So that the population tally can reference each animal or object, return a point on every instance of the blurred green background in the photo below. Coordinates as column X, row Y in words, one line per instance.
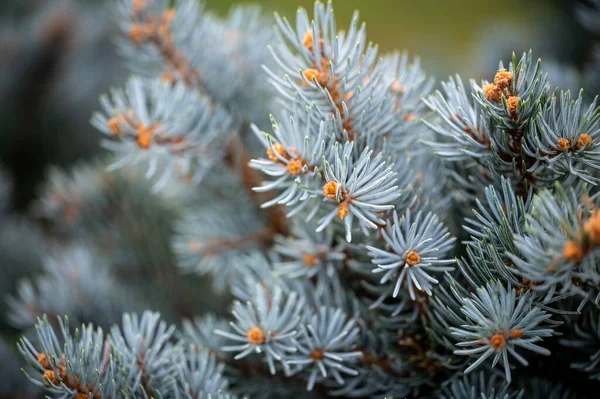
column 452, row 36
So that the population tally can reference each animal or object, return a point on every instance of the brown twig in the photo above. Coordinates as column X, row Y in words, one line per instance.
column 155, row 30
column 238, row 158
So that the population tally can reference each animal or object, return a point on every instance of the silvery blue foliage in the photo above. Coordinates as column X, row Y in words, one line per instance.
column 115, row 211
column 199, row 375
column 76, row 282
column 497, row 220
column 266, row 326
column 172, row 129
column 480, row 385
column 294, row 152
column 414, row 248
column 539, row 388
column 134, row 360
column 199, row 332
column 499, row 323
column 364, row 188
column 555, row 222
column 318, row 46
column 241, row 39
column 144, row 344
column 217, row 86
column 210, row 241
column 69, row 364
column 529, row 84
column 465, row 131
column 566, row 136
column 335, row 231
column 479, row 126
column 326, row 344
column 307, row 254
column 145, row 58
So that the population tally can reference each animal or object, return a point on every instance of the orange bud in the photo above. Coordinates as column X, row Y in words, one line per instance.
column 413, row 258
column 592, row 227
column 503, row 79
column 312, row 74
column 343, row 210
column 564, row 144
column 136, row 34
column 514, row 334
column 492, row 93
column 256, row 336
column 330, row 190
column 498, row 341
column 113, row 125
column 280, row 149
column 572, row 251
column 513, row 104
column 294, row 167
column 309, row 259
column 317, row 354
column 584, row 141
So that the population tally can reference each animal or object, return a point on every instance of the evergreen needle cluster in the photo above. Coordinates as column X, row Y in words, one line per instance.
column 376, row 238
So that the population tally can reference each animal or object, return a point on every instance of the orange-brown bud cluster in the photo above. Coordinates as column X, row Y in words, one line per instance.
column 113, row 125
column 516, row 333
column 295, row 166
column 398, row 87
column 308, row 42
column 564, row 144
column 322, row 77
column 584, row 142
column 164, row 28
column 343, row 210
column 256, row 336
column 317, row 354
column 492, row 92
column 280, row 150
column 309, row 259
column 139, row 32
column 330, row 190
column 413, row 258
column 168, row 77
column 50, row 377
column 592, row 227
column 498, row 341
column 60, row 376
column 43, row 360
column 513, row 105
column 138, row 6
column 145, row 134
column 503, row 79
column 156, row 29
column 322, row 73
column 573, row 251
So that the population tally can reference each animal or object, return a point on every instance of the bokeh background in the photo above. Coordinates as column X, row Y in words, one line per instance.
column 57, row 56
